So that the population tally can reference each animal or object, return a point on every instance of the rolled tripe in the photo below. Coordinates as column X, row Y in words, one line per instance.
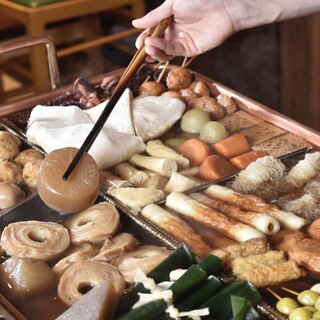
column 230, row 227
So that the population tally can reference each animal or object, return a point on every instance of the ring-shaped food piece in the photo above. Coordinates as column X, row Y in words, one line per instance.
column 84, row 275
column 95, row 224
column 35, row 239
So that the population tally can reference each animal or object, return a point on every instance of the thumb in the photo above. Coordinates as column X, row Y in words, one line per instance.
column 154, row 17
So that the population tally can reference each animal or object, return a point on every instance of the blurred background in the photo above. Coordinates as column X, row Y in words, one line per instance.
column 277, row 65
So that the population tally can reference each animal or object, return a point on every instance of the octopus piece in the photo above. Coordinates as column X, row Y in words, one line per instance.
column 152, row 88
column 27, row 276
column 84, row 275
column 145, row 257
column 9, row 145
column 178, row 78
column 10, row 172
column 209, row 105
column 284, row 240
column 35, row 239
column 108, row 84
column 79, row 252
column 10, row 194
column 120, row 244
column 227, row 102
column 87, row 93
column 30, row 173
column 95, row 224
column 307, row 254
column 200, row 88
column 28, row 155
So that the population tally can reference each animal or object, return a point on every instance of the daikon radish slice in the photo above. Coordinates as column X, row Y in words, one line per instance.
column 161, row 165
column 156, row 148
column 75, row 194
column 253, row 203
column 191, row 208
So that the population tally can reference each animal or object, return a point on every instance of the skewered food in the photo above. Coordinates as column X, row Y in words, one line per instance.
column 175, row 226
column 173, row 94
column 114, row 247
column 266, row 224
column 79, row 252
column 28, row 155
column 84, row 275
column 178, row 78
column 256, row 204
column 26, row 276
column 75, row 194
column 95, row 224
column 10, row 172
column 191, row 208
column 35, row 239
column 10, row 194
column 145, row 258
column 9, row 146
column 152, row 88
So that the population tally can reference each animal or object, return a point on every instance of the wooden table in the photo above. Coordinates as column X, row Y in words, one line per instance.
column 35, row 21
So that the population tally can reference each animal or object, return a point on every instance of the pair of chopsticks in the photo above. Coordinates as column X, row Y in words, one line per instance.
column 130, row 71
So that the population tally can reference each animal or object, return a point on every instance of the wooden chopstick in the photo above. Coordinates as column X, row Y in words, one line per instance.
column 130, row 71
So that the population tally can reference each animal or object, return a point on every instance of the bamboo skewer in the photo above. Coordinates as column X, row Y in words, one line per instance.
column 132, row 68
column 162, row 71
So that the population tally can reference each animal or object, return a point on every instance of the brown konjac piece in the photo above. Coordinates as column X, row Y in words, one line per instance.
column 75, row 194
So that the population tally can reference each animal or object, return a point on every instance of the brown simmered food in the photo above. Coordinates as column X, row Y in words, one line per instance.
column 35, row 239
column 173, row 94
column 108, row 84
column 152, row 88
column 10, row 172
column 286, row 239
column 314, row 229
column 95, row 224
column 28, row 155
column 146, row 258
column 84, row 275
column 200, row 88
column 86, row 92
column 187, row 95
column 75, row 194
column 209, row 105
column 79, row 252
column 30, row 173
column 10, row 194
column 119, row 244
column 307, row 254
column 9, row 146
column 26, row 276
column 178, row 78
column 227, row 103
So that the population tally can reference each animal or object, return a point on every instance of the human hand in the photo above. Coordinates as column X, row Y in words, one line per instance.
column 198, row 26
